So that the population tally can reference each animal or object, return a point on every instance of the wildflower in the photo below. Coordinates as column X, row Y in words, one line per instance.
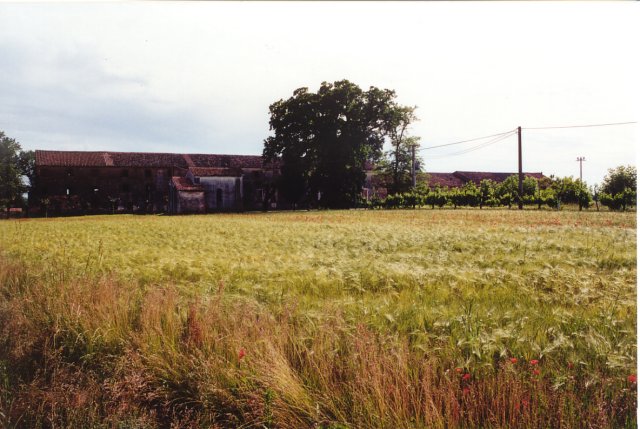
column 632, row 378
column 466, row 377
column 534, row 361
column 513, row 360
column 536, row 372
column 241, row 353
column 458, row 370
column 466, row 391
column 570, row 365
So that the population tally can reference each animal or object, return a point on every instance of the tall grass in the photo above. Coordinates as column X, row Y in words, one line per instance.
column 416, row 319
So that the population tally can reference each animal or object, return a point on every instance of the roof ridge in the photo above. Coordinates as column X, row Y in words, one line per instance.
column 148, row 153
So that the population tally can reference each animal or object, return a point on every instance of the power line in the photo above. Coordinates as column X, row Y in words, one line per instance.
column 466, row 141
column 501, row 136
column 579, row 126
column 477, row 147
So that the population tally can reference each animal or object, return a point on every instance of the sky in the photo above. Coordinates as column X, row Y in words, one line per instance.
column 198, row 77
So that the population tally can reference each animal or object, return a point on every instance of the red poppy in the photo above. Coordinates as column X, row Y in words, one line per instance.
column 534, row 361
column 466, row 391
column 513, row 360
column 632, row 378
column 467, row 376
column 536, row 372
column 458, row 370
column 241, row 353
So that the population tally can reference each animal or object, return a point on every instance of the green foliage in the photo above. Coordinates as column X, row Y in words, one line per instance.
column 436, row 197
column 395, row 167
column 619, row 188
column 551, row 193
column 570, row 191
column 13, row 165
column 619, row 179
column 507, row 191
column 323, row 140
column 621, row 200
column 487, row 193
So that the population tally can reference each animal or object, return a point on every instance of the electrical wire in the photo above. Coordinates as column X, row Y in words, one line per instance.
column 466, row 141
column 477, row 147
column 579, row 126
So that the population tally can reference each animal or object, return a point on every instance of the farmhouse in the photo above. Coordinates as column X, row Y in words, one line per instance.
column 94, row 182
column 107, row 182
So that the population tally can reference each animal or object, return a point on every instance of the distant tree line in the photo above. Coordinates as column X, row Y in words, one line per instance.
column 618, row 192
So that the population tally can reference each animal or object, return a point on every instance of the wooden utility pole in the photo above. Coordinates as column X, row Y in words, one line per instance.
column 520, row 175
column 580, row 159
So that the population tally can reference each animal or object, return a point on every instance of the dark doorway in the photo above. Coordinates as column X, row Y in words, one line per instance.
column 219, row 198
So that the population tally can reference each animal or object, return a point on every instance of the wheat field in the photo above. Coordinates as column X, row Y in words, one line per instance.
column 330, row 319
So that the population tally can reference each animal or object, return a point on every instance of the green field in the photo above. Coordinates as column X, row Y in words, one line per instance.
column 346, row 319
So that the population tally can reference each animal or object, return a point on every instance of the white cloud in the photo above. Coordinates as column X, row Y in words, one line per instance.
column 199, row 76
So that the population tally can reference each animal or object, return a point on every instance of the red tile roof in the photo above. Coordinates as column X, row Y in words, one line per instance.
column 67, row 159
column 478, row 176
column 185, row 185
column 448, row 180
column 459, row 178
column 143, row 159
column 237, row 161
column 215, row 172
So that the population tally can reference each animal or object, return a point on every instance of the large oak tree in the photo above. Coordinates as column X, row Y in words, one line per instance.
column 324, row 140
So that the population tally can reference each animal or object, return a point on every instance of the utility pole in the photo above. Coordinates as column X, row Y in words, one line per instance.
column 520, row 175
column 580, row 159
column 413, row 165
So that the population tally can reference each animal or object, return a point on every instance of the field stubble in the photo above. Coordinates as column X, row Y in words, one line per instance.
column 355, row 319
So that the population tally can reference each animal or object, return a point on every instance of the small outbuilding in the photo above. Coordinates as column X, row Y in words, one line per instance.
column 222, row 187
column 185, row 196
column 206, row 190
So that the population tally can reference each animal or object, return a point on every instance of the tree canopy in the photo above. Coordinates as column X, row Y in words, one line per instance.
column 619, row 188
column 14, row 163
column 620, row 178
column 325, row 139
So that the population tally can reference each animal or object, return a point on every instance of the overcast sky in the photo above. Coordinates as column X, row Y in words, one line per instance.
column 199, row 77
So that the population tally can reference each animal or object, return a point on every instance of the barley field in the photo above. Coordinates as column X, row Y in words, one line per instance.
column 337, row 319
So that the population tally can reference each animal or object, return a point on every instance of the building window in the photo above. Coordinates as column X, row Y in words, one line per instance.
column 147, row 173
column 196, row 180
column 125, row 187
column 219, row 198
column 125, row 173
